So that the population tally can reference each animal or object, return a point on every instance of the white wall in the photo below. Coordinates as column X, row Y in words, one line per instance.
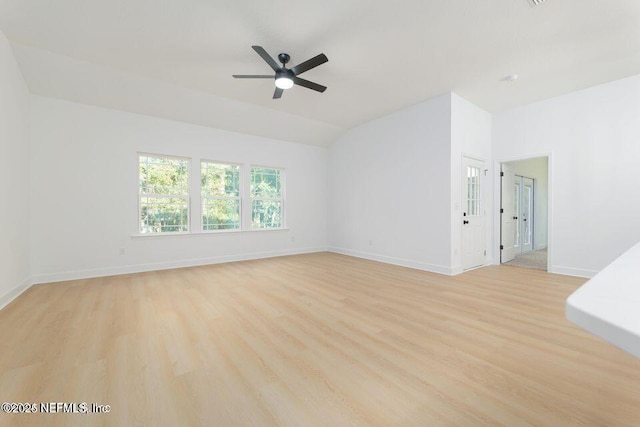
column 593, row 137
column 84, row 192
column 538, row 170
column 14, row 177
column 389, row 186
column 471, row 137
column 393, row 184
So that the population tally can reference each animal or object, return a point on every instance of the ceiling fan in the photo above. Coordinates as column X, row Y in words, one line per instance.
column 285, row 77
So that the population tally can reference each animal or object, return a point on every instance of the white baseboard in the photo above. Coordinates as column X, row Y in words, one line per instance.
column 15, row 293
column 457, row 270
column 571, row 271
column 140, row 268
column 440, row 269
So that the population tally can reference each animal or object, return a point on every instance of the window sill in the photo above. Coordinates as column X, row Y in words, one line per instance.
column 206, row 233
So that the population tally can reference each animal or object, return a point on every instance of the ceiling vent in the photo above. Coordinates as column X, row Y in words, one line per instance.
column 536, row 2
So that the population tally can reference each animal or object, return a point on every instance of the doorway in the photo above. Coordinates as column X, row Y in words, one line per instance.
column 523, row 213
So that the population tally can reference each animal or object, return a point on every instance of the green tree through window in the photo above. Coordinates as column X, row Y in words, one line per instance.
column 163, row 194
column 266, row 198
column 220, row 190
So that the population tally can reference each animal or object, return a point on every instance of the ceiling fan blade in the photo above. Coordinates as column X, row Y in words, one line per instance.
column 250, row 76
column 308, row 84
column 267, row 58
column 309, row 64
column 278, row 93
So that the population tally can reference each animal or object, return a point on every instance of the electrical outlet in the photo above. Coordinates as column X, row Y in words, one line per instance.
column 122, row 251
column 370, row 242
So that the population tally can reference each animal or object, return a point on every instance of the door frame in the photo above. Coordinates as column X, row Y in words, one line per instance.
column 485, row 188
column 497, row 229
column 507, row 176
column 484, row 183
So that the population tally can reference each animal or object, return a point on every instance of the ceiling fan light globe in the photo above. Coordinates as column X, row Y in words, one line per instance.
column 284, row 83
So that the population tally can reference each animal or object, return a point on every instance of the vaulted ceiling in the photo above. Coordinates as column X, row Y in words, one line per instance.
column 175, row 59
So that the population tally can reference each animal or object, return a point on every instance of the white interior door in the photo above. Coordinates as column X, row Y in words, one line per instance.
column 526, row 215
column 508, row 217
column 473, row 214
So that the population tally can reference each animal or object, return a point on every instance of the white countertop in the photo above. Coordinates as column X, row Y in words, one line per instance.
column 609, row 304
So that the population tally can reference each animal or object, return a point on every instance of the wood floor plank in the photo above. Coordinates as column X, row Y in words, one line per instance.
column 318, row 339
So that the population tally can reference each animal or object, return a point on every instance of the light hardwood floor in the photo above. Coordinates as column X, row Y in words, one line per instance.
column 319, row 339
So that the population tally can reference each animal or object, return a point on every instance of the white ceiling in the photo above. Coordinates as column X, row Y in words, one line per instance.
column 174, row 59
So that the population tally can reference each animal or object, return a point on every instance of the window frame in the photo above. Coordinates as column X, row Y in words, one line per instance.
column 281, row 199
column 164, row 196
column 240, row 196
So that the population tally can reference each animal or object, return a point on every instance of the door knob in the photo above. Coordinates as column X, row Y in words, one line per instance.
column 465, row 222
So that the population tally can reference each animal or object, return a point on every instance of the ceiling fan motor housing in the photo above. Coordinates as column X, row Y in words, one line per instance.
column 284, row 58
column 284, row 73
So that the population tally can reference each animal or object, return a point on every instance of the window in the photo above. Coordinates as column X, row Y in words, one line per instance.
column 267, row 201
column 227, row 196
column 163, row 194
column 220, row 192
column 473, row 191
